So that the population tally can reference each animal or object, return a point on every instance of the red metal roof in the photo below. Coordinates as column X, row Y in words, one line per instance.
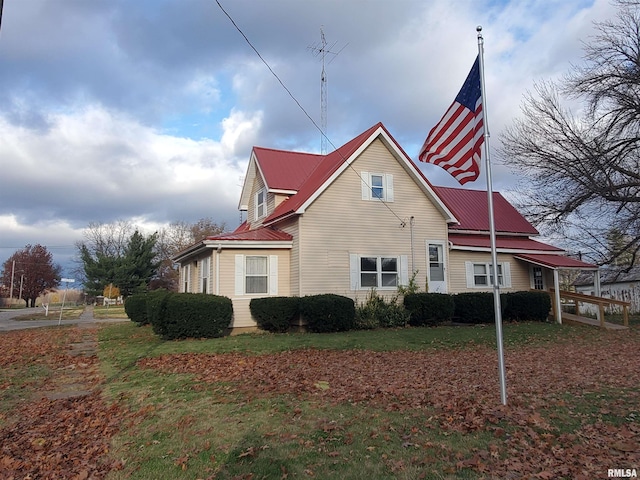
column 259, row 234
column 284, row 170
column 503, row 242
column 556, row 261
column 470, row 207
column 329, row 164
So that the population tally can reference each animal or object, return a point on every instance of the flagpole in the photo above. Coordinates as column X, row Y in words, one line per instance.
column 492, row 228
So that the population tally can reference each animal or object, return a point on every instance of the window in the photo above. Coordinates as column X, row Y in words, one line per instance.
column 538, row 281
column 186, row 278
column 205, row 265
column 377, row 186
column 378, row 272
column 256, row 274
column 260, row 204
column 480, row 275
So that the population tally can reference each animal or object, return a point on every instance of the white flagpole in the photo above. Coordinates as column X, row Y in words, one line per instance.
column 492, row 228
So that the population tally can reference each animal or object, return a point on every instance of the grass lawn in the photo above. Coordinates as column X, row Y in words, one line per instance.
column 111, row 311
column 69, row 313
column 388, row 404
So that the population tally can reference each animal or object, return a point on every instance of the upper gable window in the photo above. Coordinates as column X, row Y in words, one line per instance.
column 261, row 204
column 377, row 186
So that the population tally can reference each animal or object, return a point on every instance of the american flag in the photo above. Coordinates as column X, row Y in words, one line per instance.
column 455, row 143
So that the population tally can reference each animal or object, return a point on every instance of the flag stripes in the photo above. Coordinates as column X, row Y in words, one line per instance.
column 455, row 143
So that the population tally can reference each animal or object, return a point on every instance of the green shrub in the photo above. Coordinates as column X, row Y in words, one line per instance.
column 375, row 312
column 474, row 307
column 428, row 308
column 275, row 314
column 328, row 313
column 135, row 306
column 196, row 315
column 534, row 306
column 156, row 306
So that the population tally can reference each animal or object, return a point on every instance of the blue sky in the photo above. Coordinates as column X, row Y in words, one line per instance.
column 147, row 110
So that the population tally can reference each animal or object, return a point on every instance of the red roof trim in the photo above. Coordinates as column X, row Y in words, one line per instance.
column 556, row 261
column 262, row 234
column 502, row 242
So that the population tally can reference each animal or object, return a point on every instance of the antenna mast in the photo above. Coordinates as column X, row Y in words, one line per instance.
column 322, row 50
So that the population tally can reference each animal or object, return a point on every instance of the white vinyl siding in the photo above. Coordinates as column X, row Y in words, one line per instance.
column 339, row 223
column 480, row 275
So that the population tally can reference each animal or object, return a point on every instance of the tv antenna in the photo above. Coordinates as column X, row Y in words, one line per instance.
column 322, row 49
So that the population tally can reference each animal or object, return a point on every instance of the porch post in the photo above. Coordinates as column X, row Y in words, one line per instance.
column 556, row 287
column 597, row 293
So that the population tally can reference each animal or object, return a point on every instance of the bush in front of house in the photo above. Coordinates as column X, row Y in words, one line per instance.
column 274, row 314
column 328, row 313
column 474, row 307
column 196, row 315
column 375, row 312
column 532, row 306
column 156, row 306
column 135, row 306
column 428, row 308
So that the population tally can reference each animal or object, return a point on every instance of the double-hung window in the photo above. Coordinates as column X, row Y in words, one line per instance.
column 256, row 274
column 205, row 266
column 377, row 186
column 480, row 275
column 384, row 272
column 261, row 204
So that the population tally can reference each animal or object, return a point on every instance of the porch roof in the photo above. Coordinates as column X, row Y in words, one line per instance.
column 556, row 261
column 510, row 243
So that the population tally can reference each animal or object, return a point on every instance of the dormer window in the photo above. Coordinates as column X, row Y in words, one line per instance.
column 261, row 207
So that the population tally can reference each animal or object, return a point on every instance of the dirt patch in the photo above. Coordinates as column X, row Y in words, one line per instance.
column 65, row 430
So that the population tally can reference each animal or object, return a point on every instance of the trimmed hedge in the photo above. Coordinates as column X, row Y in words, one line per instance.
column 534, row 306
column 156, row 310
column 274, row 314
column 474, row 307
column 196, row 315
column 428, row 308
column 135, row 306
column 328, row 313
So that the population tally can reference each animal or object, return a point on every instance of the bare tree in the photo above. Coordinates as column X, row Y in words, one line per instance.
column 176, row 237
column 582, row 170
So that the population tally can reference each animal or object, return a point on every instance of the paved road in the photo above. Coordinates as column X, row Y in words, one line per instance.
column 7, row 321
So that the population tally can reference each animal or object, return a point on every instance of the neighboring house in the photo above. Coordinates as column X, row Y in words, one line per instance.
column 615, row 283
column 362, row 217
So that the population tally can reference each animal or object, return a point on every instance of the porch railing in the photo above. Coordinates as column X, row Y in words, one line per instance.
column 600, row 302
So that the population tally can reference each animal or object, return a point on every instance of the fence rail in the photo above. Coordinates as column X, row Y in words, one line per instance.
column 601, row 302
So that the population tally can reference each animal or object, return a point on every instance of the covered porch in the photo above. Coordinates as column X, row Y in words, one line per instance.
column 554, row 264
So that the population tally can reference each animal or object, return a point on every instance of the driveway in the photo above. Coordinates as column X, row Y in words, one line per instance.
column 7, row 321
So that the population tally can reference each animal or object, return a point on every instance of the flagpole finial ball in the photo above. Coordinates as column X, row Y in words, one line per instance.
column 479, row 28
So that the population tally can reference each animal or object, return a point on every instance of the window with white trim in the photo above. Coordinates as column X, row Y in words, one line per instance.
column 381, row 272
column 537, row 278
column 256, row 275
column 186, row 278
column 261, row 204
column 480, row 275
column 377, row 186
column 205, row 266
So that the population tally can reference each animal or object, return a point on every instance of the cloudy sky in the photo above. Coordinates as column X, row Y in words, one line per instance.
column 147, row 109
